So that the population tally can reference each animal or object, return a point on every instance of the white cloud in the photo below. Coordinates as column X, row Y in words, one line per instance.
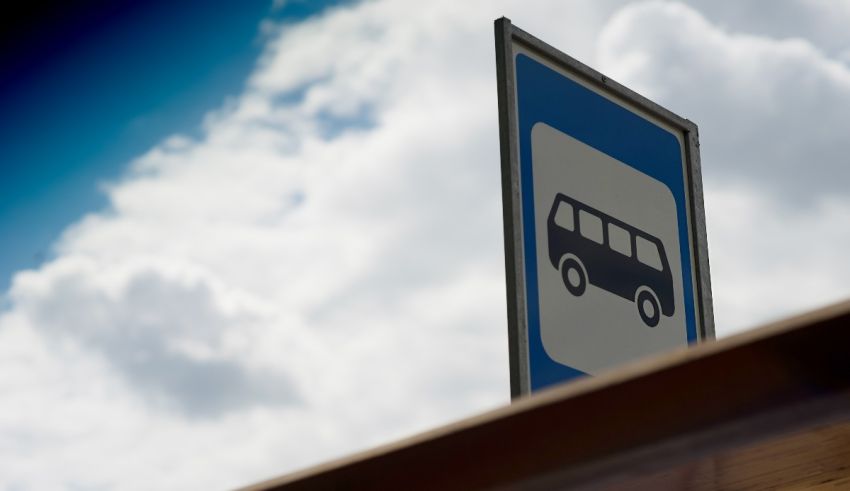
column 767, row 107
column 772, row 260
column 172, row 333
column 322, row 270
column 820, row 22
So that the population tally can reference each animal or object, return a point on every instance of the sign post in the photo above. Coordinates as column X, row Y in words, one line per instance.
column 605, row 245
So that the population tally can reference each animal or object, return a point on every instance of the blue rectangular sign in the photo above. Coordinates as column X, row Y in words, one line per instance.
column 604, row 226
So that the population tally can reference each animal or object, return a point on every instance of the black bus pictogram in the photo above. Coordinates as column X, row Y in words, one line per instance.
column 589, row 246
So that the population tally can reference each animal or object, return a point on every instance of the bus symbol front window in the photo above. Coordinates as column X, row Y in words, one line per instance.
column 589, row 246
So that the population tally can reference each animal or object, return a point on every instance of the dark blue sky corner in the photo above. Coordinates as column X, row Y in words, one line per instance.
column 76, row 109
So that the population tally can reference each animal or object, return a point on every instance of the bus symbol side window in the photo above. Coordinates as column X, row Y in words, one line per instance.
column 590, row 226
column 620, row 239
column 565, row 216
column 648, row 253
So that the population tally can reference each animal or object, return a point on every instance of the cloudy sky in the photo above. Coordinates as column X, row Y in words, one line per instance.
column 303, row 257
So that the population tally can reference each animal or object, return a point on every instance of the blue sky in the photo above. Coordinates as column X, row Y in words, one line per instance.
column 319, row 268
column 86, row 93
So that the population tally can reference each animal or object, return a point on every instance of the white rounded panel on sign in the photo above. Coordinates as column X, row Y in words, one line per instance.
column 597, row 326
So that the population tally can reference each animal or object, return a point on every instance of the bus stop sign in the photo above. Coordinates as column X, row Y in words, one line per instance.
column 605, row 247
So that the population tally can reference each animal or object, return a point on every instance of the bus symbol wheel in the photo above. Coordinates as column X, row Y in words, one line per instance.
column 574, row 275
column 648, row 308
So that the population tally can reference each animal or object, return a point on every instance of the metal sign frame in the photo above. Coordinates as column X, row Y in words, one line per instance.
column 506, row 35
